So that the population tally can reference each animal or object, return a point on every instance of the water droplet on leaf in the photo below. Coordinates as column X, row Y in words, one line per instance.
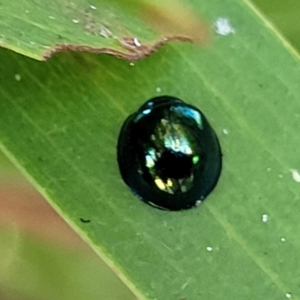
column 168, row 154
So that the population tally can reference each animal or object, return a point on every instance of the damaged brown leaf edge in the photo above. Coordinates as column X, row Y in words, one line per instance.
column 177, row 24
column 133, row 48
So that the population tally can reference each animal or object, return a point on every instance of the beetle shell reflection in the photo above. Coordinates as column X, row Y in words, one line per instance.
column 168, row 154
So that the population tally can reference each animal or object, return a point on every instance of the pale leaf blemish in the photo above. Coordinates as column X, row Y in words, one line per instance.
column 18, row 77
column 288, row 295
column 282, row 239
column 209, row 249
column 93, row 7
column 158, row 89
column 223, row 27
column 183, row 287
column 264, row 218
column 75, row 21
column 105, row 32
column 295, row 175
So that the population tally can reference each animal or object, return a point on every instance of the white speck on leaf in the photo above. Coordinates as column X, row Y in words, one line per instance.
column 93, row 7
column 131, row 64
column 18, row 77
column 158, row 89
column 137, row 42
column 265, row 218
column 75, row 21
column 209, row 249
column 225, row 131
column 288, row 295
column 282, row 239
column 223, row 26
column 51, row 17
column 295, row 175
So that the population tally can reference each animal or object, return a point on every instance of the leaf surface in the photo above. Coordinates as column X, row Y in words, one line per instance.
column 59, row 122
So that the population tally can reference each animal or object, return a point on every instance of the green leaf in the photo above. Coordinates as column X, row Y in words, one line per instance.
column 39, row 29
column 285, row 15
column 59, row 122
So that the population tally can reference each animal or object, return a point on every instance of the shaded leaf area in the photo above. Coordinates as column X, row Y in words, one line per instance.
column 38, row 28
column 32, row 269
column 61, row 129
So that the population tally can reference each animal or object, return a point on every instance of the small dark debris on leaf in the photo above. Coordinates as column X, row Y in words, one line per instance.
column 84, row 220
